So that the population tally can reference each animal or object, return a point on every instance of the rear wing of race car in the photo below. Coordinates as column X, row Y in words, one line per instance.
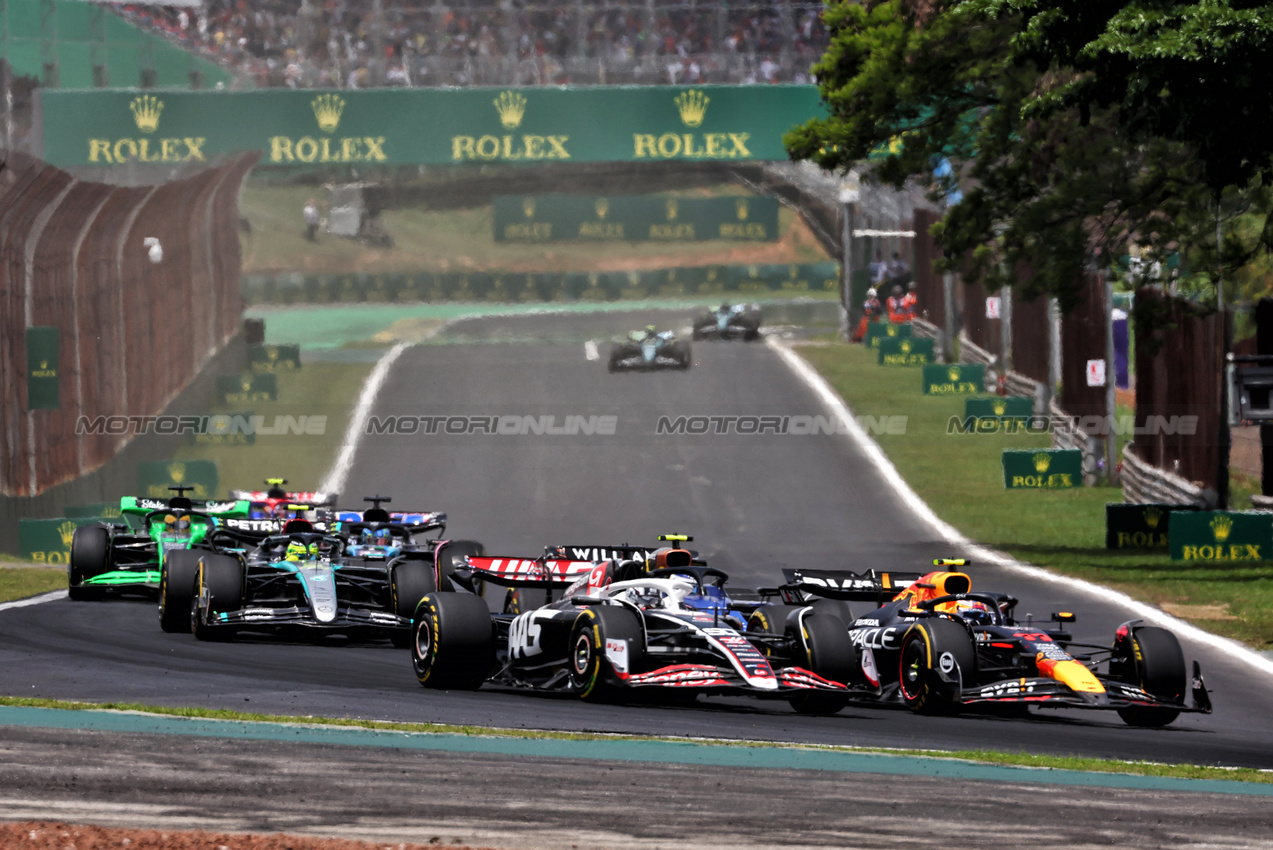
column 873, row 586
column 417, row 522
column 141, row 506
column 527, row 572
column 622, row 552
column 316, row 499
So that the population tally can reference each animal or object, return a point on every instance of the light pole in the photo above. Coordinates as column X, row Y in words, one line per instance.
column 850, row 194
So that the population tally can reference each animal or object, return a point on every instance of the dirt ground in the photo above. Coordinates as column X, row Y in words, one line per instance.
column 45, row 835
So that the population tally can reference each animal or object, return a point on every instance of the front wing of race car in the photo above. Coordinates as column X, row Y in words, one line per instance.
column 1049, row 693
column 344, row 617
column 725, row 680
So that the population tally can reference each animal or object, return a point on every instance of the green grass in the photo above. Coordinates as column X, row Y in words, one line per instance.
column 320, row 388
column 443, row 240
column 961, row 479
column 1179, row 771
column 21, row 582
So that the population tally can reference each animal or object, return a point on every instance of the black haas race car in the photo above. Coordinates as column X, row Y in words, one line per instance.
column 939, row 646
column 737, row 321
column 622, row 626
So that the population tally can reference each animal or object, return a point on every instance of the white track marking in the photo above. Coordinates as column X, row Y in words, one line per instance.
column 335, row 480
column 34, row 600
column 590, row 350
column 920, row 509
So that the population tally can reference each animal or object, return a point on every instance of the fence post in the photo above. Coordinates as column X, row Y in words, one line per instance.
column 1111, row 411
column 949, row 332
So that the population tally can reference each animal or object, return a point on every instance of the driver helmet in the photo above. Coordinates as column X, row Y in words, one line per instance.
column 975, row 612
column 646, row 597
column 871, row 293
column 177, row 523
column 650, row 330
column 725, row 307
column 298, row 551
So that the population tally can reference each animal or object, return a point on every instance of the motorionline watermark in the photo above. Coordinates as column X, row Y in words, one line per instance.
column 211, row 424
column 798, row 425
column 1093, row 426
column 506, row 425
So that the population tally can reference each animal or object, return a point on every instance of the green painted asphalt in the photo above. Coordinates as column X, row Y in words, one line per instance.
column 659, row 752
column 334, row 325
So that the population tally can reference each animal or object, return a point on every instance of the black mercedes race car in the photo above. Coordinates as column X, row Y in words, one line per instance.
column 360, row 577
column 650, row 349
column 737, row 321
column 620, row 627
column 940, row 646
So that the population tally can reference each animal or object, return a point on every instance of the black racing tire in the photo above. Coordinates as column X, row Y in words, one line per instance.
column 176, row 590
column 770, row 620
column 924, row 647
column 453, row 641
column 90, row 556
column 219, row 579
column 452, row 556
column 684, row 354
column 519, row 600
column 1160, row 670
column 837, row 607
column 751, row 335
column 587, row 664
column 829, row 653
column 618, row 353
column 411, row 582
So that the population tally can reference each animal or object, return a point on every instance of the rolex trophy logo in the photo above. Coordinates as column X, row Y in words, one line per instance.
column 953, row 373
column 673, row 209
column 740, row 207
column 511, row 107
column 1042, row 461
column 1153, row 516
column 146, row 109
column 67, row 531
column 692, row 105
column 602, row 206
column 327, row 109
column 177, row 472
column 1220, row 527
column 528, row 207
column 999, row 407
column 906, row 346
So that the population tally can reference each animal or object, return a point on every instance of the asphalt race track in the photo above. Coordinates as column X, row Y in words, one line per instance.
column 755, row 503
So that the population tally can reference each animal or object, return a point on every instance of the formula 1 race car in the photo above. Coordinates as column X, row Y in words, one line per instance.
column 128, row 557
column 650, row 349
column 620, row 627
column 739, row 321
column 273, row 501
column 940, row 646
column 362, row 577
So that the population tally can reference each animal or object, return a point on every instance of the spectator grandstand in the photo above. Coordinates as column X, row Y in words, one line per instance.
column 351, row 44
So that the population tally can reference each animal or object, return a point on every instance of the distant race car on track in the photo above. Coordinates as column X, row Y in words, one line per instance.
column 648, row 350
column 128, row 557
column 273, row 501
column 939, row 646
column 737, row 321
column 621, row 627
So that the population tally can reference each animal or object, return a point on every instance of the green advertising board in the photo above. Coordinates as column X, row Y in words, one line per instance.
column 155, row 477
column 41, row 344
column 274, row 358
column 48, row 541
column 634, row 218
column 247, row 387
column 1221, row 536
column 107, row 510
column 1042, row 469
column 904, row 351
column 429, row 126
column 999, row 407
column 954, row 379
column 1130, row 525
column 876, row 332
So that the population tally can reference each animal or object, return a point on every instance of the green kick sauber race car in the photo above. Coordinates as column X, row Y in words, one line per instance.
column 127, row 557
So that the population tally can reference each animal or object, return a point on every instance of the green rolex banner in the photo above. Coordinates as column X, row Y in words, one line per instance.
column 671, row 218
column 248, row 387
column 42, row 391
column 999, row 407
column 904, row 351
column 155, row 477
column 1221, row 536
column 955, row 379
column 1129, row 525
column 274, row 358
column 1042, row 469
column 876, row 332
column 48, row 541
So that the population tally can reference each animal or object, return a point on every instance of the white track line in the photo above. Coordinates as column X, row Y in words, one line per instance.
column 590, row 350
column 920, row 509
column 335, row 480
column 34, row 600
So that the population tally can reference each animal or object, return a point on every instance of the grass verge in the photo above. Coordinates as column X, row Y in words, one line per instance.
column 1095, row 765
column 21, row 582
column 960, row 477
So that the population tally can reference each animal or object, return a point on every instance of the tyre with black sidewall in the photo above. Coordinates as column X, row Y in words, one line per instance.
column 450, row 557
column 220, row 579
column 823, row 639
column 411, row 581
column 683, row 354
column 591, row 673
column 519, row 600
column 177, row 590
column 90, row 557
column 1159, row 665
column 770, row 620
column 835, row 607
column 924, row 646
column 619, row 353
column 453, row 641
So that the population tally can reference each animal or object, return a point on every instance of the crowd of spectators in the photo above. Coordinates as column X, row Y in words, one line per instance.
column 354, row 44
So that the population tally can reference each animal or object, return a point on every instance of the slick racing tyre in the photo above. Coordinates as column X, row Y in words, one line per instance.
column 1159, row 668
column 770, row 620
column 681, row 351
column 592, row 674
column 450, row 557
column 176, row 589
column 411, row 582
column 90, row 556
column 837, row 607
column 218, row 589
column 619, row 353
column 453, row 643
column 823, row 640
column 930, row 646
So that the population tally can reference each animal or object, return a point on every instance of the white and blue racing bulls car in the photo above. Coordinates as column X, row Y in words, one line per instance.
column 616, row 629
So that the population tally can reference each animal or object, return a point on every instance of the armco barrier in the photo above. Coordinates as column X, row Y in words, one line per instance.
column 130, row 333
